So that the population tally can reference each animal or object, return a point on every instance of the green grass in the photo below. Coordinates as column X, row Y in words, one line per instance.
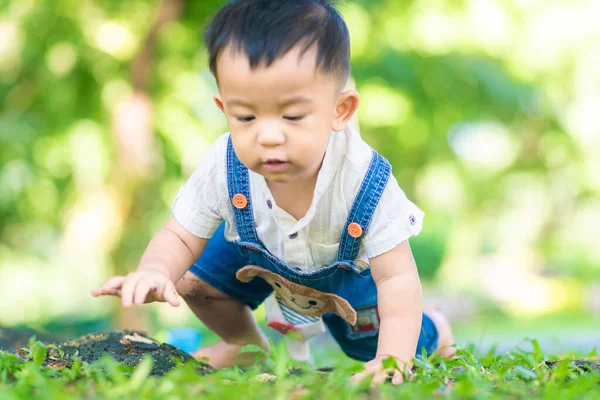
column 516, row 374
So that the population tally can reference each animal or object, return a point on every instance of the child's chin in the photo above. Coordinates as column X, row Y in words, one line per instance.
column 277, row 178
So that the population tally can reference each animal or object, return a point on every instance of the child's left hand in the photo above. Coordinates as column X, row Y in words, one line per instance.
column 380, row 374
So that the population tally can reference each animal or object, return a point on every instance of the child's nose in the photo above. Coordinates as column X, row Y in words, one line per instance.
column 271, row 134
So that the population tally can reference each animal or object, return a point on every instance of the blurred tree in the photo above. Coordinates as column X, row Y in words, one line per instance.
column 105, row 109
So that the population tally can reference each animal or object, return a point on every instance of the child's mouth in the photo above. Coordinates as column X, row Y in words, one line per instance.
column 275, row 165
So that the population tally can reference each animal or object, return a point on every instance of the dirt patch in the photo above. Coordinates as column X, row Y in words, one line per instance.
column 127, row 347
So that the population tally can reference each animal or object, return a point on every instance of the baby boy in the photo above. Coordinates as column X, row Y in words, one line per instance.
column 293, row 191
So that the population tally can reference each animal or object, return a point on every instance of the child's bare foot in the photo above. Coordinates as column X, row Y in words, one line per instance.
column 225, row 355
column 446, row 339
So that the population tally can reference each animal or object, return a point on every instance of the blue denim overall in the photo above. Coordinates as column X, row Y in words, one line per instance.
column 221, row 260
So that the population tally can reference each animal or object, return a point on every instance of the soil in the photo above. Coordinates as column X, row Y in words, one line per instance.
column 127, row 347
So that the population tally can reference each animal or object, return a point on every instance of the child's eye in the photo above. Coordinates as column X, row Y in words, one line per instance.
column 294, row 118
column 245, row 119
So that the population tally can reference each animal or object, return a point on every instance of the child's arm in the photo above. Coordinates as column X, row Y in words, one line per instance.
column 168, row 256
column 400, row 311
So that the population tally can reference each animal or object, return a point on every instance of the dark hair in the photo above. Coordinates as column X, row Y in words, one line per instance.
column 267, row 29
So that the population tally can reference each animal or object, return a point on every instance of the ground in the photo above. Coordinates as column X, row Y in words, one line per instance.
column 77, row 369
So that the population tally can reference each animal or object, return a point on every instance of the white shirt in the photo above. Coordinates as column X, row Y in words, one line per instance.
column 203, row 203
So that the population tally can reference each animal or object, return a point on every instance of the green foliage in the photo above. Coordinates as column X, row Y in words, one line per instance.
column 428, row 249
column 516, row 374
column 424, row 73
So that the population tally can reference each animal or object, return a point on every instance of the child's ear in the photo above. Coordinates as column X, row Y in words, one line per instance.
column 346, row 106
column 218, row 101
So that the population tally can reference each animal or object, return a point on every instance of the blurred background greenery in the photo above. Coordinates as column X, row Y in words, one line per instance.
column 489, row 111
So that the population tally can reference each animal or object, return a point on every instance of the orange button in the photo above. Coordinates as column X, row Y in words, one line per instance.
column 354, row 230
column 239, row 201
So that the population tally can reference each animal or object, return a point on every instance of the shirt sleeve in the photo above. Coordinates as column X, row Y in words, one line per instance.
column 198, row 205
column 395, row 219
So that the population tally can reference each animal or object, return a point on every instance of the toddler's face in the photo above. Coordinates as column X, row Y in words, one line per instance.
column 280, row 117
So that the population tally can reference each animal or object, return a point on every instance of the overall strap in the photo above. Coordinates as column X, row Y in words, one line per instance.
column 363, row 207
column 238, row 186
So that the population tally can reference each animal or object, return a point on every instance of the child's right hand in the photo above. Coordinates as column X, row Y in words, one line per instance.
column 140, row 287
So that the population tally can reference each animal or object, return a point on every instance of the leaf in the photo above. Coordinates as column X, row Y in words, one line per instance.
column 39, row 353
column 524, row 373
column 282, row 360
column 537, row 350
column 60, row 351
column 592, row 353
column 141, row 373
column 26, row 351
column 76, row 366
column 390, row 362
column 252, row 348
column 364, row 384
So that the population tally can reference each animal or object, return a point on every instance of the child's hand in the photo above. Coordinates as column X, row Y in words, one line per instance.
column 140, row 287
column 380, row 374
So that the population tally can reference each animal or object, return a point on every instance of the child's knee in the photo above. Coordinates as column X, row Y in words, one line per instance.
column 194, row 289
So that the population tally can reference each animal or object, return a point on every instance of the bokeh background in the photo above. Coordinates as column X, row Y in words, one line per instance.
column 489, row 111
